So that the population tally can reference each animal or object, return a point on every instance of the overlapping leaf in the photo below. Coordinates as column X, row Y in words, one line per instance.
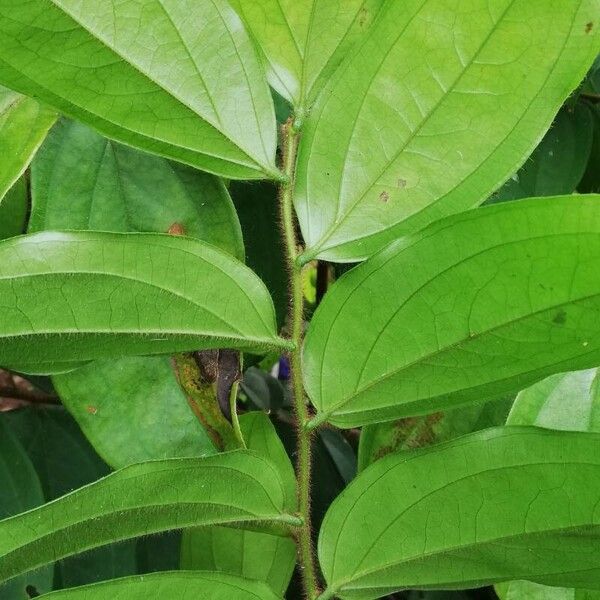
column 305, row 40
column 179, row 78
column 433, row 111
column 142, row 499
column 23, row 127
column 70, row 297
column 499, row 504
column 437, row 320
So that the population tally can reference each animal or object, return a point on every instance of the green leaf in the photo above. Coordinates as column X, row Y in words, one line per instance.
column 437, row 319
column 434, row 110
column 20, row 490
column 525, row 590
column 381, row 439
column 179, row 78
column 305, row 40
column 23, row 127
column 559, row 162
column 566, row 401
column 13, row 210
column 142, row 390
column 183, row 586
column 78, row 296
column 591, row 178
column 251, row 554
column 495, row 505
column 142, row 499
column 110, row 187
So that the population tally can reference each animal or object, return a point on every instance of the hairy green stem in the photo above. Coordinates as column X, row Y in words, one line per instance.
column 296, row 322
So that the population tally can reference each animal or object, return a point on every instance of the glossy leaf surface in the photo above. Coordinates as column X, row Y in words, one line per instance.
column 435, row 109
column 305, row 40
column 499, row 504
column 250, row 554
column 179, row 78
column 183, row 586
column 23, row 126
column 82, row 295
column 81, row 180
column 142, row 499
column 436, row 320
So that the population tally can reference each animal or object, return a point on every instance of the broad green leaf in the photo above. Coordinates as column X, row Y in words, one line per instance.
column 179, row 78
column 78, row 296
column 180, row 585
column 251, row 554
column 13, row 210
column 566, row 401
column 495, row 505
column 143, row 391
column 81, row 180
column 525, row 590
column 381, row 439
column 64, row 461
column 305, row 40
column 437, row 319
column 142, row 499
column 20, row 489
column 559, row 162
column 432, row 112
column 23, row 127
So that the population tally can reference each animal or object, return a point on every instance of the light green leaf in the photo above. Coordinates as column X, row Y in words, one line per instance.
column 559, row 162
column 81, row 180
column 525, row 590
column 144, row 391
column 431, row 113
column 161, row 586
column 305, row 40
column 437, row 319
column 251, row 554
column 78, row 296
column 23, row 127
column 179, row 78
column 142, row 499
column 20, row 489
column 495, row 505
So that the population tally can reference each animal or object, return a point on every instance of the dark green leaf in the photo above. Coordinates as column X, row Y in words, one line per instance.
column 13, row 210
column 435, row 109
column 179, row 78
column 438, row 319
column 499, row 504
column 77, row 296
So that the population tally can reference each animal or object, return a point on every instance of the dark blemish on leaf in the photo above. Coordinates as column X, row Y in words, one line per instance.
column 31, row 591
column 384, row 197
column 560, row 318
column 589, row 26
column 363, row 16
column 92, row 410
column 176, row 229
column 402, row 183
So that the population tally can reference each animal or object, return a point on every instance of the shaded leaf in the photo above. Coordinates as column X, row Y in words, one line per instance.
column 13, row 210
column 183, row 586
column 142, row 392
column 23, row 126
column 525, row 590
column 437, row 319
column 591, row 178
column 142, row 499
column 81, row 180
column 70, row 297
column 179, row 78
column 435, row 109
column 251, row 554
column 499, row 504
column 305, row 40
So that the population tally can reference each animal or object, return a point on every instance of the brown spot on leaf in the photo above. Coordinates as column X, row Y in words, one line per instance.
column 176, row 229
column 402, row 183
column 384, row 197
column 363, row 16
column 589, row 26
column 92, row 410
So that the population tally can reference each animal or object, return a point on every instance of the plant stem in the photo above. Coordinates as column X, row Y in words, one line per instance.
column 296, row 322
